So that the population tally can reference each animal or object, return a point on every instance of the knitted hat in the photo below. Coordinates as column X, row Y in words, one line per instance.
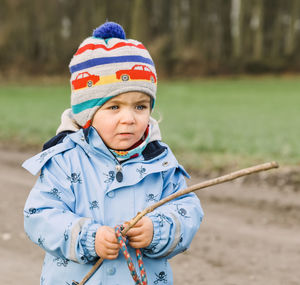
column 106, row 65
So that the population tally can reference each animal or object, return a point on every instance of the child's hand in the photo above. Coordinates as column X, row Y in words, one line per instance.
column 106, row 244
column 141, row 234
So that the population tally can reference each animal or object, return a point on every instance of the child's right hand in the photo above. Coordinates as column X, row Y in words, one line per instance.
column 106, row 243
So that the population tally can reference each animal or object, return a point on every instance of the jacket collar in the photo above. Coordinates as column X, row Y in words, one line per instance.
column 152, row 150
column 90, row 142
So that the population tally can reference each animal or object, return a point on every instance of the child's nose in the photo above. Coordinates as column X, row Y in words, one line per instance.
column 127, row 116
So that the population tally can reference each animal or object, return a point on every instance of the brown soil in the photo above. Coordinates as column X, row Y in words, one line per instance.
column 250, row 234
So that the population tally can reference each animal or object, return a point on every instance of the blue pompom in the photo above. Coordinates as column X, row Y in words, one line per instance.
column 109, row 30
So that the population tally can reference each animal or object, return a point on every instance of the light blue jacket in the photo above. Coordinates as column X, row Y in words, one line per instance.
column 77, row 192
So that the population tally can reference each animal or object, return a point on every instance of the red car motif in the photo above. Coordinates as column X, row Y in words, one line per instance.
column 84, row 79
column 136, row 72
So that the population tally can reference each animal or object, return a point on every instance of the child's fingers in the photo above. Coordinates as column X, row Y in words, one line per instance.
column 134, row 232
column 111, row 257
column 137, row 238
column 110, row 254
column 139, row 241
column 139, row 223
column 111, row 238
column 106, row 243
column 112, row 246
column 141, row 234
column 112, row 251
column 108, row 250
column 137, row 244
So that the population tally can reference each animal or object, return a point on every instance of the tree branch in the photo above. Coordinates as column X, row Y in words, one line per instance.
column 205, row 184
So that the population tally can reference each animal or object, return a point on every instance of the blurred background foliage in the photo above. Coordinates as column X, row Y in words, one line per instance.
column 185, row 37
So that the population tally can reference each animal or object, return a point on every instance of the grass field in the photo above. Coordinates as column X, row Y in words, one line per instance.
column 209, row 123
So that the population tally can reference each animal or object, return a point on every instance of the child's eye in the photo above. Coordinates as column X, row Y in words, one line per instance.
column 115, row 107
column 141, row 107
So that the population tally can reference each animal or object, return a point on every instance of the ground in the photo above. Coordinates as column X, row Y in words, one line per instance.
column 250, row 233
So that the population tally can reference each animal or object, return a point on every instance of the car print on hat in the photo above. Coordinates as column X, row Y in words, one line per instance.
column 137, row 72
column 84, row 79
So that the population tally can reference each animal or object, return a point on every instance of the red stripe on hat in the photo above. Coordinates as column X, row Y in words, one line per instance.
column 96, row 46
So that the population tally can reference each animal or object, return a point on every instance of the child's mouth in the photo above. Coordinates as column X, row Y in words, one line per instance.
column 126, row 134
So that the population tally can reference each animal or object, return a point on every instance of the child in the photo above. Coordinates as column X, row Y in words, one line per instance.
column 104, row 174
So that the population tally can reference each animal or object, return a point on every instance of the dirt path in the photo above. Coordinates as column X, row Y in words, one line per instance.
column 250, row 234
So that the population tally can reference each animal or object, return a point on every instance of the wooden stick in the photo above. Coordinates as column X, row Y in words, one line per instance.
column 205, row 184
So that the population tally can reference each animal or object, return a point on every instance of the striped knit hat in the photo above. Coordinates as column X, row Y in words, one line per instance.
column 106, row 65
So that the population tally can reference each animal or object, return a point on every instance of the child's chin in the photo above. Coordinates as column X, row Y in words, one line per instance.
column 123, row 146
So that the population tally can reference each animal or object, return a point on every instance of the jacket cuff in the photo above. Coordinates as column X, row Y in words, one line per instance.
column 161, row 230
column 88, row 244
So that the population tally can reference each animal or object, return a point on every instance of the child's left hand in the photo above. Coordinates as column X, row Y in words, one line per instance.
column 141, row 234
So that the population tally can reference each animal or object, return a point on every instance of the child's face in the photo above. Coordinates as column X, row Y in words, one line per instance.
column 122, row 121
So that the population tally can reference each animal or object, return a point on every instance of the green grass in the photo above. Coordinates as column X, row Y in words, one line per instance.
column 232, row 121
column 31, row 114
column 208, row 123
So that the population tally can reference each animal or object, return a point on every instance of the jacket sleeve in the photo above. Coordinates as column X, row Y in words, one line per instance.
column 176, row 222
column 50, row 221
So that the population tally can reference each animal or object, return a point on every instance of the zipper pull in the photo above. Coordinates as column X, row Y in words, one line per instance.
column 119, row 174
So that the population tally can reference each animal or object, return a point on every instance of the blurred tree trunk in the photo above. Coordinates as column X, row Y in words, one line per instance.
column 180, row 22
column 116, row 11
column 276, row 32
column 291, row 32
column 215, row 28
column 4, row 20
column 161, row 38
column 236, row 27
column 257, row 26
column 139, row 28
column 197, row 23
column 225, row 29
column 160, row 23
